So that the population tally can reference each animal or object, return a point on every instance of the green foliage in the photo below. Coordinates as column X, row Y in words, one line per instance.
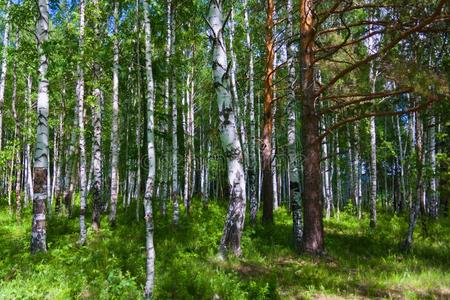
column 360, row 262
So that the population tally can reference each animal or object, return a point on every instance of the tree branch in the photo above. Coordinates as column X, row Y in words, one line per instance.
column 385, row 49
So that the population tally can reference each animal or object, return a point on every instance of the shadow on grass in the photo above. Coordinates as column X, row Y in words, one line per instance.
column 360, row 262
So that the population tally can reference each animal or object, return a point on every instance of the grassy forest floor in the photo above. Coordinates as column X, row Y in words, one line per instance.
column 360, row 263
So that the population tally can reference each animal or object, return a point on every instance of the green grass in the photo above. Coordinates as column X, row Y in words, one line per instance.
column 360, row 263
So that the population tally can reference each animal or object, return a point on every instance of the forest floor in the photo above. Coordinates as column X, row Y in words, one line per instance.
column 360, row 263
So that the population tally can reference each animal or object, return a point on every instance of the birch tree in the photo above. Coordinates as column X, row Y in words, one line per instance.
column 115, row 120
column 251, row 172
column 149, row 186
column 4, row 68
column 294, row 178
column 234, row 224
column 81, row 137
column 38, row 229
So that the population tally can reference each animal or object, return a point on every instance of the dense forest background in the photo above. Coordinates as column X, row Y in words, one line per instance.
column 224, row 149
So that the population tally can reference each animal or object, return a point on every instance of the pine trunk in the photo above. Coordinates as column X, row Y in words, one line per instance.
column 267, row 181
column 313, row 241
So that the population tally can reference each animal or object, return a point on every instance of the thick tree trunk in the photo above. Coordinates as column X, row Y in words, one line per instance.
column 267, row 181
column 149, row 187
column 313, row 241
column 38, row 230
column 115, row 121
column 234, row 224
column 81, row 138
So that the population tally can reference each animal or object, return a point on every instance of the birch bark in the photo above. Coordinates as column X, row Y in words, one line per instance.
column 81, row 138
column 294, row 178
column 139, row 110
column 434, row 204
column 27, row 158
column 115, row 121
column 4, row 68
column 251, row 172
column 415, row 209
column 149, row 186
column 38, row 230
column 234, row 224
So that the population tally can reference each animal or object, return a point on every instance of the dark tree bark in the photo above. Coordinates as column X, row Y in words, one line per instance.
column 313, row 240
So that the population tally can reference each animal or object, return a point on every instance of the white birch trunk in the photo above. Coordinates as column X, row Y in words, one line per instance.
column 59, row 179
column 139, row 112
column 115, row 121
column 81, row 138
column 149, row 187
column 234, row 224
column 175, row 184
column 4, row 68
column 240, row 112
column 188, row 130
column 251, row 172
column 29, row 177
column 38, row 231
column 373, row 136
column 294, row 178
column 166, row 146
column 357, row 171
column 338, row 177
column 417, row 136
column 15, row 153
column 97, row 159
column 434, row 204
column 274, row 131
column 327, row 178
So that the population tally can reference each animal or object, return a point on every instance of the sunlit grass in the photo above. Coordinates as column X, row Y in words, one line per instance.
column 360, row 262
